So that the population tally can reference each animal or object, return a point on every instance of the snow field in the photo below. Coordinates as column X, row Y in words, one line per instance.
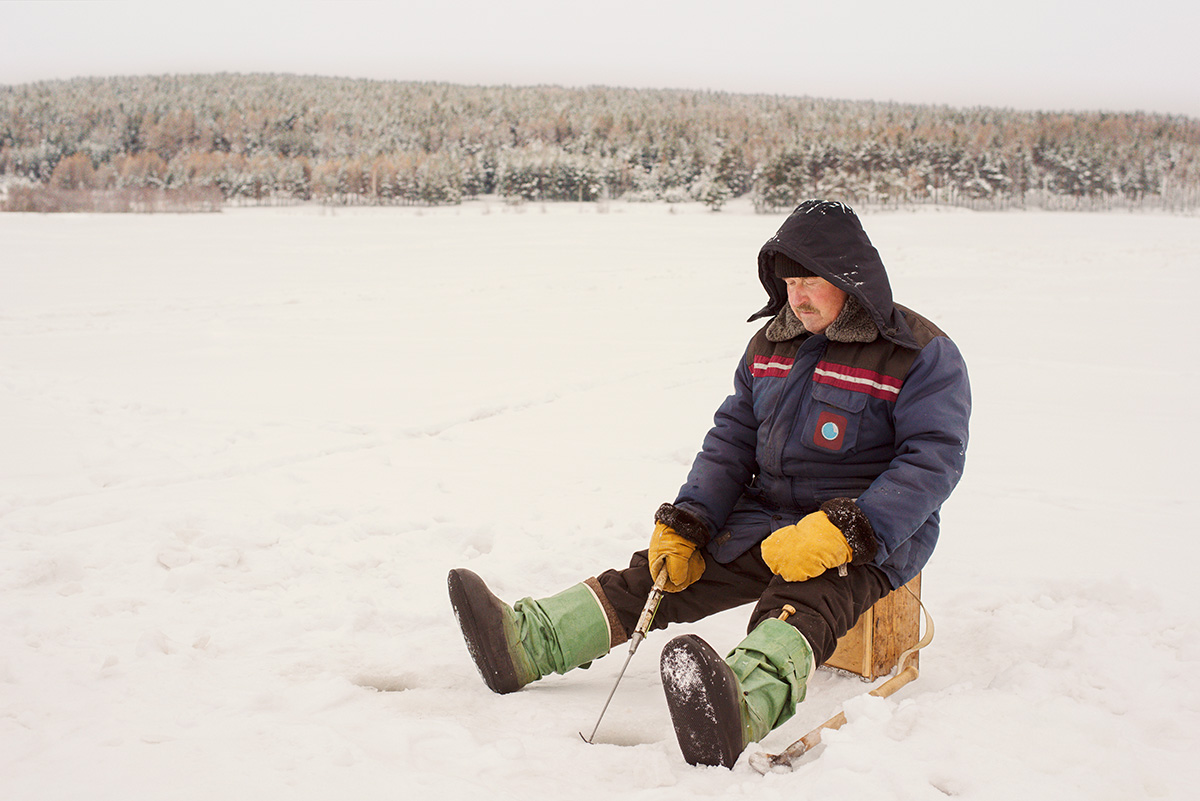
column 244, row 449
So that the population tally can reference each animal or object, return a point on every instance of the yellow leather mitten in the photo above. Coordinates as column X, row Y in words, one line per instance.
column 807, row 549
column 675, row 554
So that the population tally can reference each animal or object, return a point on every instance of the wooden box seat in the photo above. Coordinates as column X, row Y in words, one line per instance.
column 889, row 628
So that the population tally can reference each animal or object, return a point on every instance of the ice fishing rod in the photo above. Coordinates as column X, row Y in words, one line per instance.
column 639, row 634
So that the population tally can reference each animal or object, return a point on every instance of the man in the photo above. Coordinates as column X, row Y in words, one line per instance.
column 819, row 486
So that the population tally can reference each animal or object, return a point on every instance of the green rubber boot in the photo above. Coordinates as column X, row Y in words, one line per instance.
column 719, row 706
column 515, row 645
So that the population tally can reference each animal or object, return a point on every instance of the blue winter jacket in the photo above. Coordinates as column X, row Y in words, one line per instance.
column 880, row 418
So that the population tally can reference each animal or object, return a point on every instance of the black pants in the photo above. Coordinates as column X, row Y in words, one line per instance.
column 826, row 606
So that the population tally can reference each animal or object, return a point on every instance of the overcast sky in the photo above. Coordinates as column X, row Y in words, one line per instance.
column 1025, row 54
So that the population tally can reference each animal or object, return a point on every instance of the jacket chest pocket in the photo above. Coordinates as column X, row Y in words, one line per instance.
column 834, row 419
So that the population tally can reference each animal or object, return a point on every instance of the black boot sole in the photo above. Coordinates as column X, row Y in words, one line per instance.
column 481, row 619
column 704, row 699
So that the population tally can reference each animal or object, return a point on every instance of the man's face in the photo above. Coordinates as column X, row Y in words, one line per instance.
column 815, row 301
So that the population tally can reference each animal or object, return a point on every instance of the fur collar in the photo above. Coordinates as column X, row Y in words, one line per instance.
column 853, row 324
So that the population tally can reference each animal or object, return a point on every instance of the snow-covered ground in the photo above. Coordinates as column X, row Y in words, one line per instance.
column 241, row 451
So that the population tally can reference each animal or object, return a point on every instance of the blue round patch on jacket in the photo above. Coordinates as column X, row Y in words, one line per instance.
column 830, row 431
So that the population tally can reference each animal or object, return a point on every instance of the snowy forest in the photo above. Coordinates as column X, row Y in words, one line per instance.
column 274, row 139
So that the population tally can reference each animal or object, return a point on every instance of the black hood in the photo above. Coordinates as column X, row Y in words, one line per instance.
column 827, row 238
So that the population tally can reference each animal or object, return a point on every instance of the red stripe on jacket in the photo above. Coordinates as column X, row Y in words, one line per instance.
column 857, row 379
column 776, row 366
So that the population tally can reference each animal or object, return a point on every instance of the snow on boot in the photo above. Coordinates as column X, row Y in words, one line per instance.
column 719, row 706
column 515, row 645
